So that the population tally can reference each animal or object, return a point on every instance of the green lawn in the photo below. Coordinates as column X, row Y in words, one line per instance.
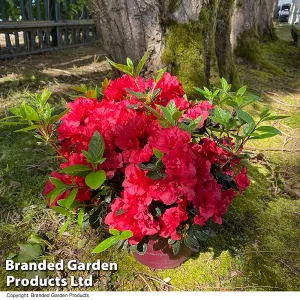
column 257, row 247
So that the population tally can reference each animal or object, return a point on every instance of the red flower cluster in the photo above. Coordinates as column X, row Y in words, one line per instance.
column 149, row 206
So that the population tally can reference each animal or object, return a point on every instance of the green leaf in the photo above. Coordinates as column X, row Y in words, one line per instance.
column 148, row 167
column 191, row 242
column 138, row 95
column 114, row 232
column 46, row 94
column 64, row 227
column 123, row 68
column 61, row 210
column 109, row 242
column 248, row 130
column 62, row 202
column 220, row 116
column 160, row 74
column 242, row 91
column 274, row 118
column 158, row 153
column 90, row 159
column 29, row 252
column 96, row 146
column 101, row 160
column 269, row 129
column 200, row 235
column 57, row 182
column 71, row 197
column 11, row 255
column 140, row 248
column 95, row 179
column 56, row 192
column 249, row 99
column 7, row 118
column 244, row 116
column 12, row 123
column 81, row 89
column 224, row 84
column 28, row 113
column 88, row 156
column 141, row 64
column 80, row 216
column 120, row 212
column 156, row 93
column 133, row 106
column 130, row 64
column 265, row 112
column 200, row 90
column 176, row 247
column 46, row 113
column 169, row 111
column 36, row 239
column 156, row 175
column 75, row 205
column 16, row 111
column 177, row 115
column 262, row 136
column 125, row 235
column 209, row 232
column 195, row 123
column 33, row 127
column 154, row 111
column 55, row 118
column 76, row 169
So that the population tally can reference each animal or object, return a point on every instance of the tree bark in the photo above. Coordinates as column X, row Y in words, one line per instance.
column 130, row 27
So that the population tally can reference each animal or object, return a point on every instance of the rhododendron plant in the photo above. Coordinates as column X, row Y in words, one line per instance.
column 144, row 161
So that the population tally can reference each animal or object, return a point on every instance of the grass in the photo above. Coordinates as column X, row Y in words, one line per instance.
column 257, row 247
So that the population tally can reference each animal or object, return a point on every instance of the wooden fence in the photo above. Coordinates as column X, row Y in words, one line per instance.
column 36, row 26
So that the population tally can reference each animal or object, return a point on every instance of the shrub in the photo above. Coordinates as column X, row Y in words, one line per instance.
column 143, row 159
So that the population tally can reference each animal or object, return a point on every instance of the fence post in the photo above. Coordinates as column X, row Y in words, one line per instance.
column 4, row 17
column 53, row 33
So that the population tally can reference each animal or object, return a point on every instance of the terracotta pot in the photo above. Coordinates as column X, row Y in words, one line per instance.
column 159, row 254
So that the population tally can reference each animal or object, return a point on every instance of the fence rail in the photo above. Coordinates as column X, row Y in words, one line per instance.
column 35, row 26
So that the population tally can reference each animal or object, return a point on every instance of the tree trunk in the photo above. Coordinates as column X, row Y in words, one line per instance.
column 195, row 38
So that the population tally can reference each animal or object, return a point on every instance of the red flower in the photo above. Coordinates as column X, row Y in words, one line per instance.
column 222, row 206
column 171, row 219
column 242, row 180
column 208, row 195
column 130, row 134
column 117, row 89
column 171, row 89
column 129, row 214
column 169, row 138
column 136, row 182
column 74, row 122
column 198, row 110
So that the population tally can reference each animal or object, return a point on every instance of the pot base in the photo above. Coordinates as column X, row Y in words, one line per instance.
column 159, row 255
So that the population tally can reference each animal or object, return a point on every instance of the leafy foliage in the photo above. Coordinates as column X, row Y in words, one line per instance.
column 116, row 238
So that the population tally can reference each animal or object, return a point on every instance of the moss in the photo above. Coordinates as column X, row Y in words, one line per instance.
column 190, row 50
column 173, row 5
column 248, row 46
column 250, row 49
column 184, row 52
column 200, row 51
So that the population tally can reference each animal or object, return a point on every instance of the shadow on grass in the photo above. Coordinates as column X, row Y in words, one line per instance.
column 261, row 233
column 60, row 70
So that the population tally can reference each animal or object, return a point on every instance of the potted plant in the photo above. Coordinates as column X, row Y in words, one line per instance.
column 155, row 168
